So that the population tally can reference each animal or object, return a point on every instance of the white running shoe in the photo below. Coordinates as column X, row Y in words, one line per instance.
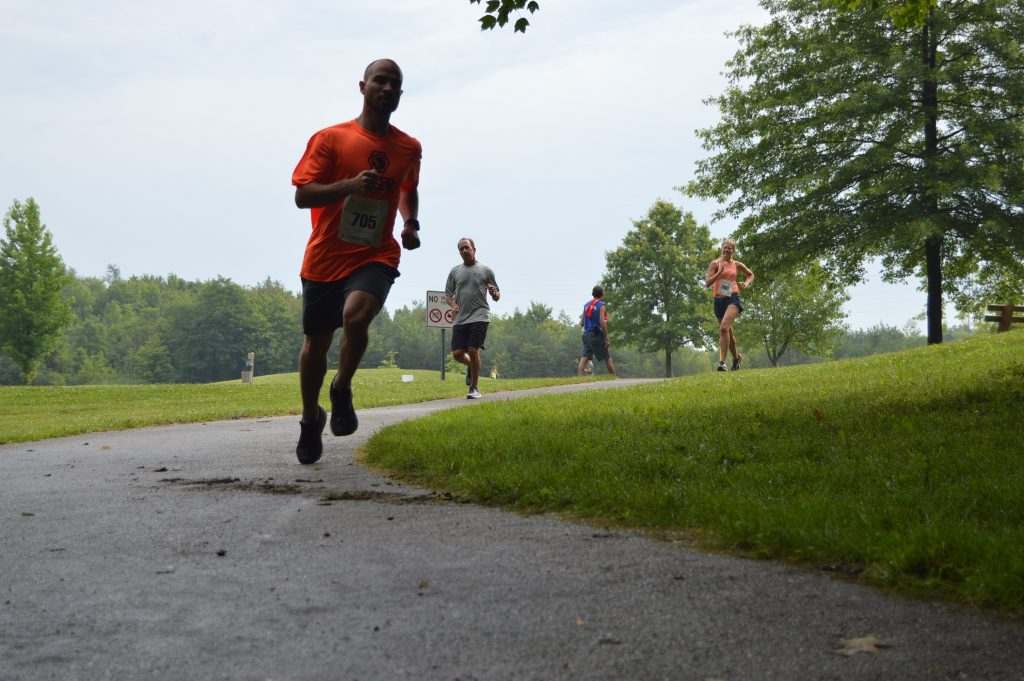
column 473, row 394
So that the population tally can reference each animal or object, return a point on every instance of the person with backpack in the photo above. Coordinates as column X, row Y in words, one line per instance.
column 595, row 332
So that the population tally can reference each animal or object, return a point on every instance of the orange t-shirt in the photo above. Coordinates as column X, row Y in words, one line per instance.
column 726, row 284
column 346, row 239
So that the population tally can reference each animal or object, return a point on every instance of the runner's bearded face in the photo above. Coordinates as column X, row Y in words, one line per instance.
column 382, row 89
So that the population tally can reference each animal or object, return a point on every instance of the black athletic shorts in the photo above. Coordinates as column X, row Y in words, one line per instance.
column 722, row 304
column 471, row 335
column 324, row 301
column 593, row 345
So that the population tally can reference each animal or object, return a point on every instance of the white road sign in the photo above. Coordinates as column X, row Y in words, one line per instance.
column 439, row 312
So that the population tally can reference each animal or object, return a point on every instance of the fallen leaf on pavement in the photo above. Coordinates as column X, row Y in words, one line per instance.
column 865, row 644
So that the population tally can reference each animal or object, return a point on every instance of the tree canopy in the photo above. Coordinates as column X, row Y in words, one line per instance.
column 32, row 277
column 905, row 13
column 845, row 136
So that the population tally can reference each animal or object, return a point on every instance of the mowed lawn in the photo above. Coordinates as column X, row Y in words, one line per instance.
column 904, row 470
column 38, row 412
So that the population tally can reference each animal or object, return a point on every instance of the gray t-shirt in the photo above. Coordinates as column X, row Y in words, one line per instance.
column 468, row 286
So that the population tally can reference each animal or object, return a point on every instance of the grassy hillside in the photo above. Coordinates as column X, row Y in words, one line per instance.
column 905, row 470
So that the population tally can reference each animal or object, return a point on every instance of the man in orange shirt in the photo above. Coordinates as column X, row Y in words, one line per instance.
column 356, row 177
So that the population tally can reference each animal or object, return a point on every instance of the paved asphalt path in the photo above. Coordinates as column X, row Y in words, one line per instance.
column 207, row 552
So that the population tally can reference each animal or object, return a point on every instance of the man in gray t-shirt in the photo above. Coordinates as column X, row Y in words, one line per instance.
column 466, row 291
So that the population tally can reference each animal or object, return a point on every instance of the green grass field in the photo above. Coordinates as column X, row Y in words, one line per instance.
column 904, row 470
column 33, row 413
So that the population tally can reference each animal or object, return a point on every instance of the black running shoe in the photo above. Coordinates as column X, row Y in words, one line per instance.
column 469, row 376
column 343, row 415
column 736, row 362
column 311, row 446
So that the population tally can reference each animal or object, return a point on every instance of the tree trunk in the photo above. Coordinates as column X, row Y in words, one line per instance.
column 933, row 253
column 668, row 362
column 933, row 244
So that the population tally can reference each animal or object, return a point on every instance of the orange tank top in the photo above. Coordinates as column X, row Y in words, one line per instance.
column 726, row 285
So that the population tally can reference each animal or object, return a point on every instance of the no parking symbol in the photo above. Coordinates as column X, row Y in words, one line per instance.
column 439, row 312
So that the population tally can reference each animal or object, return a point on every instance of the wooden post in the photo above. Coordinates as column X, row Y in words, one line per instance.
column 250, row 368
column 1006, row 316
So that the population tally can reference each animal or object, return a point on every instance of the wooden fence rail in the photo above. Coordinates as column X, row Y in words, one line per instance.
column 1006, row 317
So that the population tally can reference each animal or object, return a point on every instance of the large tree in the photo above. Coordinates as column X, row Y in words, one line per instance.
column 654, row 283
column 32, row 275
column 845, row 136
column 801, row 310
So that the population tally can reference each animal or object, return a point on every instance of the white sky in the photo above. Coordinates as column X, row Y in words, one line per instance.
column 161, row 137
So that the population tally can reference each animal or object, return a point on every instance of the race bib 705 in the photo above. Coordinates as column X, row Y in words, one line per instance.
column 362, row 220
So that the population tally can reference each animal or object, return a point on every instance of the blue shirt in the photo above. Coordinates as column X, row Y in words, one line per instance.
column 593, row 320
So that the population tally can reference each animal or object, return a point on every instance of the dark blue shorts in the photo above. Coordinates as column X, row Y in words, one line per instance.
column 722, row 304
column 323, row 302
column 471, row 335
column 593, row 346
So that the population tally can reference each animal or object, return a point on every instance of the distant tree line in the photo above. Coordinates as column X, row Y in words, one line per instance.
column 150, row 329
column 57, row 328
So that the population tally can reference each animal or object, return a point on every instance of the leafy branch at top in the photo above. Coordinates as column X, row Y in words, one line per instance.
column 905, row 14
column 498, row 12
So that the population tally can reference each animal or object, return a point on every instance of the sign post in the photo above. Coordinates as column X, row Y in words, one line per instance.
column 250, row 368
column 441, row 316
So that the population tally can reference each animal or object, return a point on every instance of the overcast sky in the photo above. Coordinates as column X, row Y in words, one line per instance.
column 161, row 137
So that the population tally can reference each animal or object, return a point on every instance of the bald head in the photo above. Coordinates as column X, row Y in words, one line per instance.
column 388, row 63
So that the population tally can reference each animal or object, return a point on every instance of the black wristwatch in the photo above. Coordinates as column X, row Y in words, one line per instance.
column 414, row 222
